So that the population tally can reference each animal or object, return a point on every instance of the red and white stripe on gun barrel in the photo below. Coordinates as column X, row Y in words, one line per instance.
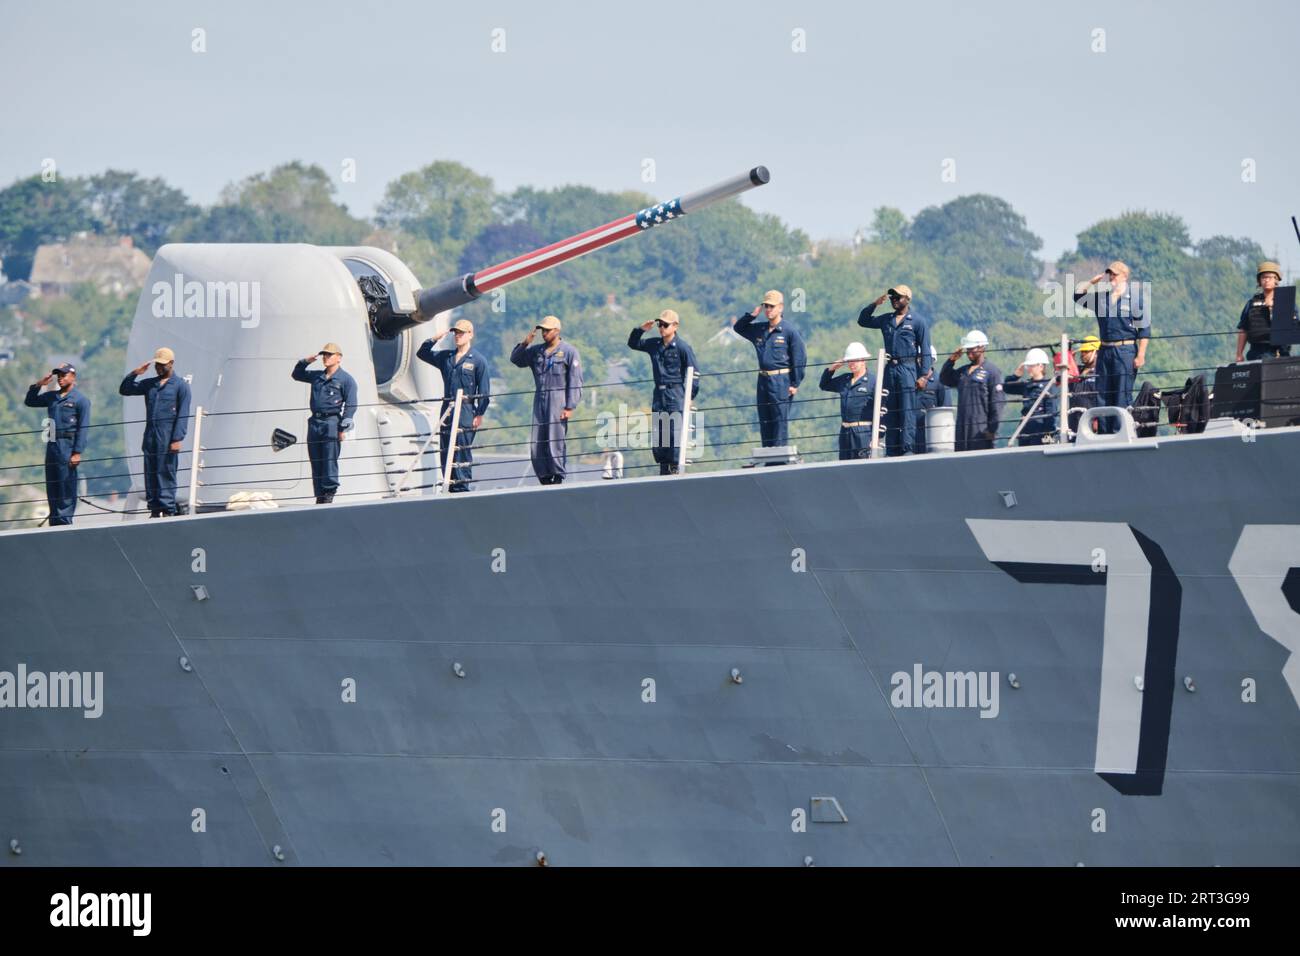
column 469, row 287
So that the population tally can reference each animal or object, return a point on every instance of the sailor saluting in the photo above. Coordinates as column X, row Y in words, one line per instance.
column 857, row 392
column 979, row 393
column 557, row 372
column 670, row 357
column 167, row 415
column 333, row 405
column 69, row 416
column 462, row 369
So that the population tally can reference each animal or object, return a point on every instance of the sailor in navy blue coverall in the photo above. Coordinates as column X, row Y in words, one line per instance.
column 907, row 342
column 1043, row 421
column 333, row 407
column 69, row 418
column 1124, row 325
column 670, row 357
column 465, row 369
column 167, row 418
column 781, row 362
column 557, row 376
column 856, row 389
column 979, row 397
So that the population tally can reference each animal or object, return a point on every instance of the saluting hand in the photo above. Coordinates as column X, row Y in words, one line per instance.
column 311, row 358
column 756, row 309
column 881, row 298
column 528, row 339
column 141, row 370
column 955, row 355
column 1020, row 370
column 647, row 326
column 836, row 365
column 46, row 380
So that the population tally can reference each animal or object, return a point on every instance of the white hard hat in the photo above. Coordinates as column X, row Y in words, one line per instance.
column 1037, row 357
column 974, row 339
column 856, row 352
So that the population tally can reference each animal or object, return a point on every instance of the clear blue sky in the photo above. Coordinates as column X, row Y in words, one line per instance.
column 884, row 93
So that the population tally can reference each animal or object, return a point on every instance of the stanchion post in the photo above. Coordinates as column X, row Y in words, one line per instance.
column 685, row 435
column 875, row 413
column 196, row 460
column 1063, row 426
column 454, row 436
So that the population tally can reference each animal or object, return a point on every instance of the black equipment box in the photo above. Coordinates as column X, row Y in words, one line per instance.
column 1286, row 323
column 1266, row 390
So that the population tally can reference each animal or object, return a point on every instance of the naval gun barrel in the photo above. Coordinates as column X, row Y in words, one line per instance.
column 467, row 288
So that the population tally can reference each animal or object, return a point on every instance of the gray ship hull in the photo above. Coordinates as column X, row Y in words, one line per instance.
column 597, row 627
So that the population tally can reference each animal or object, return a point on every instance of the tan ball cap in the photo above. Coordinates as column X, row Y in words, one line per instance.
column 463, row 325
column 1118, row 268
column 164, row 355
column 901, row 290
column 772, row 297
column 668, row 315
column 1272, row 267
column 550, row 322
column 332, row 347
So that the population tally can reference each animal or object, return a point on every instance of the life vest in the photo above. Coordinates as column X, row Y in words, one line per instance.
column 1259, row 322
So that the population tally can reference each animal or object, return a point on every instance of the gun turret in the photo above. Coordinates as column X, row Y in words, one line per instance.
column 389, row 316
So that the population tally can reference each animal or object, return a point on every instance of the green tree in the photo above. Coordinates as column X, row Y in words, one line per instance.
column 445, row 202
column 888, row 225
column 147, row 210
column 982, row 232
column 1244, row 254
column 292, row 203
column 33, row 212
column 1153, row 245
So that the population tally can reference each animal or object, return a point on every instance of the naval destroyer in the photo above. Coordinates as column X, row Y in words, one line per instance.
column 938, row 660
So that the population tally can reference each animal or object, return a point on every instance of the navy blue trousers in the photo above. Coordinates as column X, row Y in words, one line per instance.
column 323, row 452
column 1115, row 375
column 159, row 474
column 60, row 481
column 772, row 395
column 900, row 420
